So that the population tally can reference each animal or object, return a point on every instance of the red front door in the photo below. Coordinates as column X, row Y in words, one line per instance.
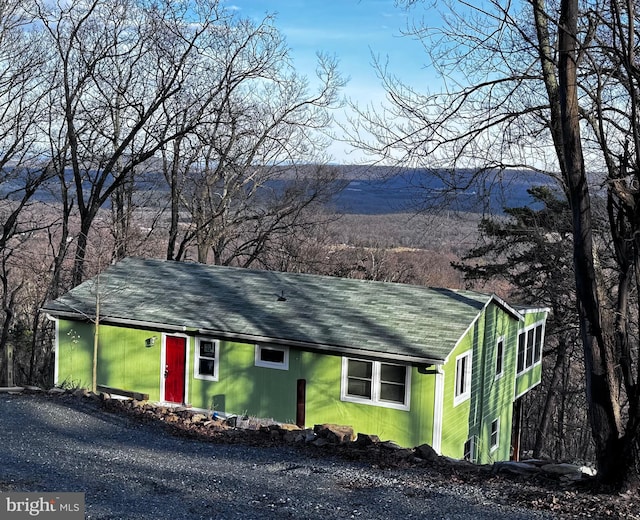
column 175, row 358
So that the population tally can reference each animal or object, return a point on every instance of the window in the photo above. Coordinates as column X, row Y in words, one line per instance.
column 499, row 357
column 375, row 383
column 206, row 359
column 530, row 347
column 272, row 357
column 462, row 390
column 469, row 450
column 495, row 435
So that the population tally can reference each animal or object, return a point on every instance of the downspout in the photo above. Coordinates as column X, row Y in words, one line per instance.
column 438, row 407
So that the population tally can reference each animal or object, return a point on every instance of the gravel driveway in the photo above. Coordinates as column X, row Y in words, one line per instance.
column 133, row 470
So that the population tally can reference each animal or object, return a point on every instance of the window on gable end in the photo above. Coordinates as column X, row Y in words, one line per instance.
column 537, row 354
column 500, row 357
column 522, row 343
column 530, row 346
column 462, row 390
column 495, row 435
column 530, row 342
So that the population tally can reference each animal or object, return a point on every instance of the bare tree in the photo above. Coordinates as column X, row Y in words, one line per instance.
column 22, row 173
column 242, row 178
column 118, row 63
column 557, row 94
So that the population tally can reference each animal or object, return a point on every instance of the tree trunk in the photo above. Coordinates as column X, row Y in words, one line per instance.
column 597, row 337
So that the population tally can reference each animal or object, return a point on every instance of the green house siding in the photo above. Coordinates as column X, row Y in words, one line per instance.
column 126, row 362
column 74, row 354
column 491, row 397
column 243, row 388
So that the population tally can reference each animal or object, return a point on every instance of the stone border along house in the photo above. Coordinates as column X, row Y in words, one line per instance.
column 409, row 364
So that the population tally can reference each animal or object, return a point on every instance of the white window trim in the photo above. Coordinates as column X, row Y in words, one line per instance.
column 525, row 331
column 216, row 360
column 495, row 446
column 268, row 364
column 375, row 386
column 464, row 396
column 501, row 373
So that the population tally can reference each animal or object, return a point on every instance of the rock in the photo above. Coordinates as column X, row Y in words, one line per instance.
column 288, row 427
column 515, row 468
column 198, row 418
column 364, row 440
column 334, row 433
column 81, row 392
column 568, row 471
column 426, row 452
column 390, row 445
column 309, row 435
column 293, row 436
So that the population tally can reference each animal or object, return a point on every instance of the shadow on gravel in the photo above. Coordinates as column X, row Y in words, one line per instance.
column 129, row 469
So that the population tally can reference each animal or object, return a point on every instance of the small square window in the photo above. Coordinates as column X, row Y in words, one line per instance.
column 272, row 357
column 206, row 359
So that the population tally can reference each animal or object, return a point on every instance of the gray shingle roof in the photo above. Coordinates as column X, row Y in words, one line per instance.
column 379, row 319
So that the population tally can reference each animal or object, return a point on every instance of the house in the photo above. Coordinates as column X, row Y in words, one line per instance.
column 408, row 363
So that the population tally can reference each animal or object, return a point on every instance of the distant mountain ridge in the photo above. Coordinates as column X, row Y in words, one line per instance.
column 379, row 190
column 375, row 190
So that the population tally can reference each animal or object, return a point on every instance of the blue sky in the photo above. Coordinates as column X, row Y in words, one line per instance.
column 351, row 30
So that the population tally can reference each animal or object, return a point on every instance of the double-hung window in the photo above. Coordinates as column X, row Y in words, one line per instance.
column 375, row 383
column 206, row 359
column 462, row 390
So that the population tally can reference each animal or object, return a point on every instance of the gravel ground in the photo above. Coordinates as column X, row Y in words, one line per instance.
column 129, row 469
